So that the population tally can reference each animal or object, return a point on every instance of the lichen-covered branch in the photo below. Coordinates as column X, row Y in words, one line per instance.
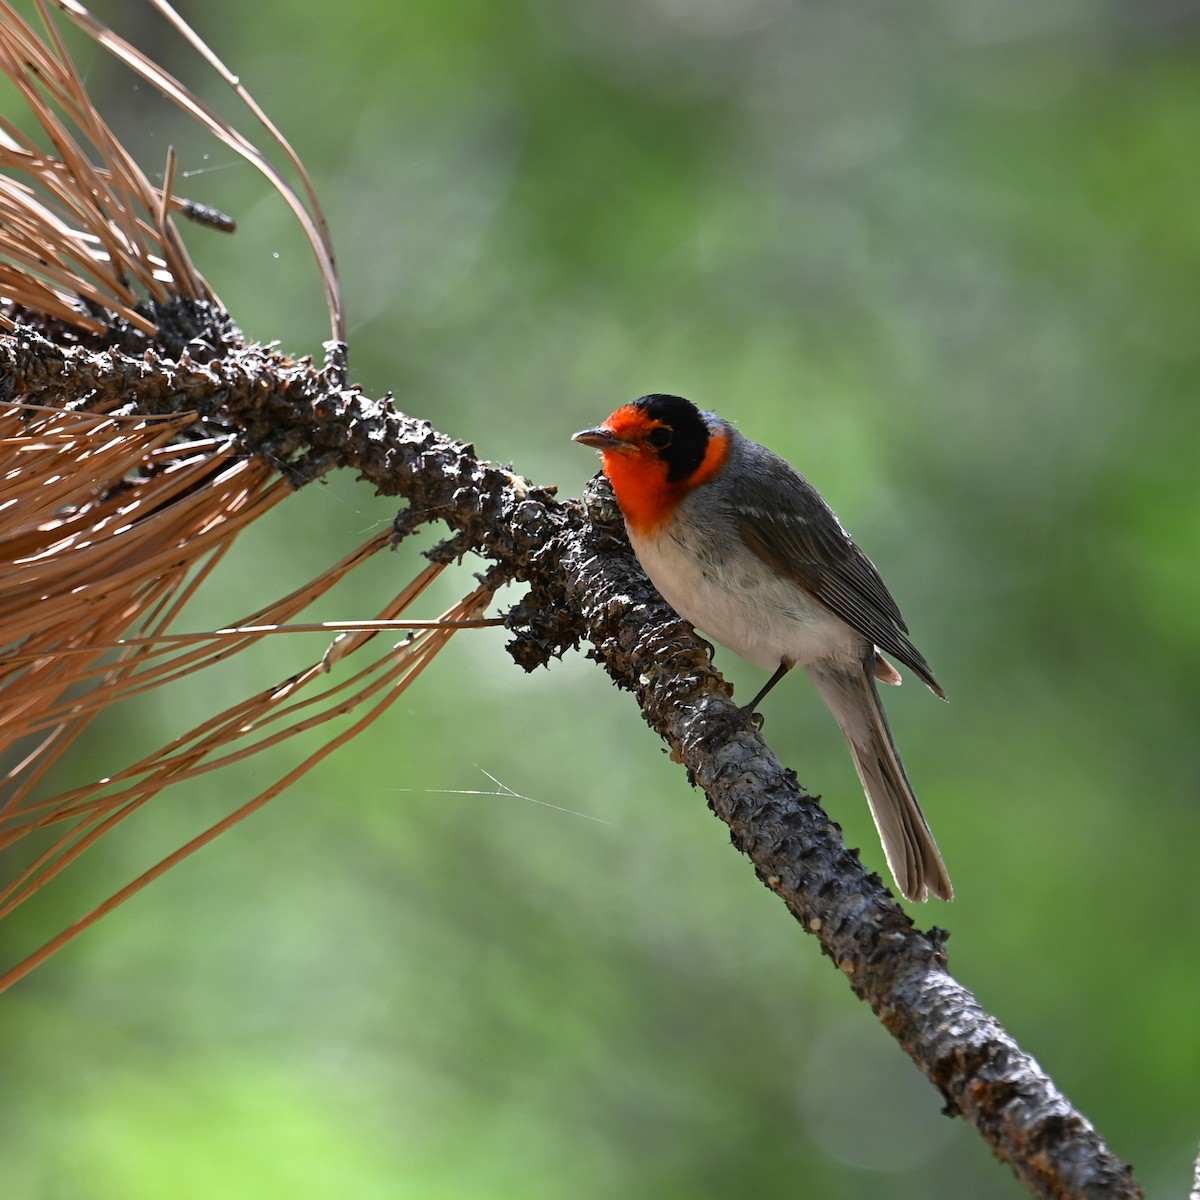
column 585, row 587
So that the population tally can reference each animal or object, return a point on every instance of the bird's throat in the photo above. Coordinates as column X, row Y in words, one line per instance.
column 648, row 498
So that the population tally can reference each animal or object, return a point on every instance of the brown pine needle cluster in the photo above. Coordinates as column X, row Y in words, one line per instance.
column 81, row 226
column 112, row 518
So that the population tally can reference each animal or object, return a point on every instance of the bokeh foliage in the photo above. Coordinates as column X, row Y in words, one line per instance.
column 942, row 256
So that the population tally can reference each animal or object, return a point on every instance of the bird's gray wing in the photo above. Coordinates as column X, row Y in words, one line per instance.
column 784, row 520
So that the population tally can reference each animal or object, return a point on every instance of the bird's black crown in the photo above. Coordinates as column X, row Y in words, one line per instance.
column 686, row 432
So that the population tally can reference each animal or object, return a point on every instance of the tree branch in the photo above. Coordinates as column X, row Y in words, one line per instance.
column 584, row 585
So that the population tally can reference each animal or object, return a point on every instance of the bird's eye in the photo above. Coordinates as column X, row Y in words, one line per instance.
column 659, row 438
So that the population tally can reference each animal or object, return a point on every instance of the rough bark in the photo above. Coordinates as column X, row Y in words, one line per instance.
column 584, row 586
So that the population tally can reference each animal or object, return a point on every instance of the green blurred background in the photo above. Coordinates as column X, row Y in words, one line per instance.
column 944, row 257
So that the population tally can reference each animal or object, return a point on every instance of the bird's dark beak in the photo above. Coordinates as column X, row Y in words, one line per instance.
column 598, row 438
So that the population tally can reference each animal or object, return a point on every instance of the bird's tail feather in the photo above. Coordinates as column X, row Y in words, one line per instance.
column 911, row 852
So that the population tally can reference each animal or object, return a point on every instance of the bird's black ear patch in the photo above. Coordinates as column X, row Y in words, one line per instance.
column 680, row 435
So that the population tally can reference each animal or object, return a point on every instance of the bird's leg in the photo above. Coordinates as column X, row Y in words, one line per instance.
column 780, row 671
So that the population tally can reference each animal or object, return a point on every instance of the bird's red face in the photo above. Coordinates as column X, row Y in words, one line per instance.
column 655, row 451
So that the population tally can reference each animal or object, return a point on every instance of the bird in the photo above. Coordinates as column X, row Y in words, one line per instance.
column 741, row 545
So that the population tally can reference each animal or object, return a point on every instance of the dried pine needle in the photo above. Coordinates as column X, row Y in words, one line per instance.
column 109, row 521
